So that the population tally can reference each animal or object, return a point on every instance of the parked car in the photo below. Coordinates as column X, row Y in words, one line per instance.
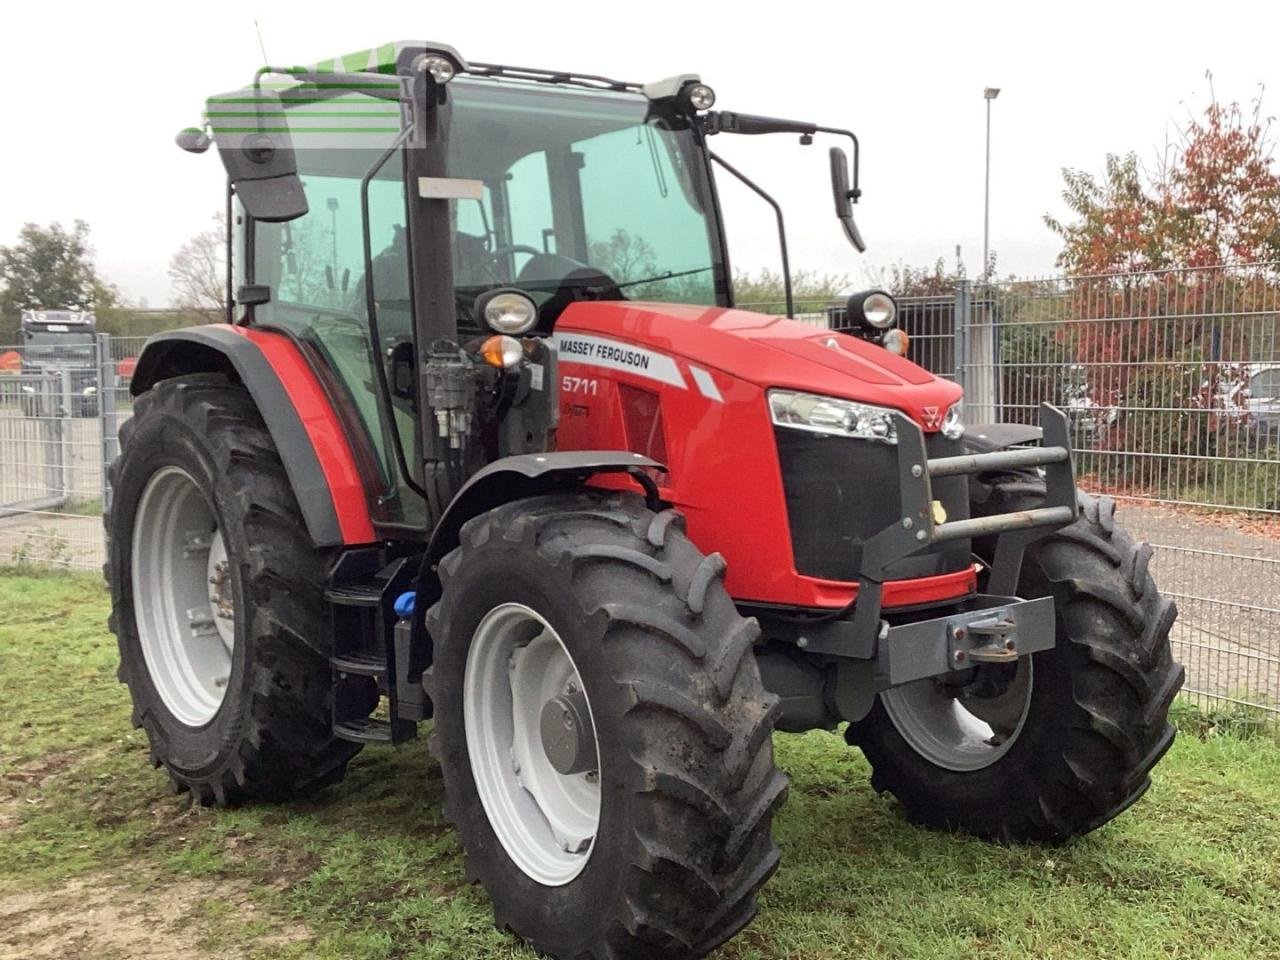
column 1087, row 417
column 1257, row 396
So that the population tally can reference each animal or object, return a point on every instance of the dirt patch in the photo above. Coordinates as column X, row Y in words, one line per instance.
column 25, row 781
column 35, row 772
column 105, row 917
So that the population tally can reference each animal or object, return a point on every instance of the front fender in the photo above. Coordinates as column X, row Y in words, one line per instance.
column 527, row 475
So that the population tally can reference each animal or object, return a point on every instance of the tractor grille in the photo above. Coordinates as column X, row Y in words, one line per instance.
column 842, row 491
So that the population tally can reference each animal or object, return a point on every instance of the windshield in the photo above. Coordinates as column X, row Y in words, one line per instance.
column 50, row 347
column 586, row 194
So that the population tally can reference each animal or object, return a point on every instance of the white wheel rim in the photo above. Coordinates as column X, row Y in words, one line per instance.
column 546, row 821
column 182, row 598
column 957, row 732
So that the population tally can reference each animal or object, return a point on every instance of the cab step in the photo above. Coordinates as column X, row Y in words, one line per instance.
column 360, row 665
column 356, row 595
column 367, row 647
column 375, row 730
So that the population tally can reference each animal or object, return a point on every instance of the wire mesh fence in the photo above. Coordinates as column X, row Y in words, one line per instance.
column 1171, row 383
column 59, row 411
column 1170, row 380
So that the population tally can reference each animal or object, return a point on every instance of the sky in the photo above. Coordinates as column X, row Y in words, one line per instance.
column 109, row 84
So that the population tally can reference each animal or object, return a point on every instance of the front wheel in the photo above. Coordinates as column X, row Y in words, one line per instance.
column 1061, row 741
column 602, row 731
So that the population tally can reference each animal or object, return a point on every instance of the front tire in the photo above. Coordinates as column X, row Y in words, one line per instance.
column 684, row 787
column 216, row 599
column 1075, row 746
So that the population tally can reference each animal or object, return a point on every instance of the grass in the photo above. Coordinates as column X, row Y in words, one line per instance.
column 370, row 870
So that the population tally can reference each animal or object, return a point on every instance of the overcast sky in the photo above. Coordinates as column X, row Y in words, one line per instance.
column 99, row 89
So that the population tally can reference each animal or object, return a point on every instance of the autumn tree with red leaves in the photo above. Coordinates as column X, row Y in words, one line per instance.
column 1169, row 261
column 1213, row 198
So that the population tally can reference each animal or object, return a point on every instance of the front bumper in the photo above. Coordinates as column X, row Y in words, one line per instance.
column 972, row 632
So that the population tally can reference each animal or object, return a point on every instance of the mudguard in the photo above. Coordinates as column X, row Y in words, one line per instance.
column 530, row 474
column 296, row 409
column 984, row 437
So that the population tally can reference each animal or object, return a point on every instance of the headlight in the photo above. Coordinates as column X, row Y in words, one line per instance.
column 440, row 67
column 872, row 308
column 701, row 97
column 507, row 311
column 953, row 423
column 829, row 415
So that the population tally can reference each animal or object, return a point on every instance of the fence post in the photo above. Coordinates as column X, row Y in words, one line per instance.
column 65, row 412
column 960, row 333
column 106, row 412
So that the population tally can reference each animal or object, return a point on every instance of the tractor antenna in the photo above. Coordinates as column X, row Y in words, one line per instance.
column 261, row 46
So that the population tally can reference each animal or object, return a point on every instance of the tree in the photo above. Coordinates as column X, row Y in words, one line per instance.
column 1157, row 253
column 1213, row 198
column 1224, row 193
column 198, row 273
column 764, row 291
column 49, row 267
column 904, row 280
column 624, row 257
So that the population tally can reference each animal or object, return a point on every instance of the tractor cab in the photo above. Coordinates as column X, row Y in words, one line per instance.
column 449, row 202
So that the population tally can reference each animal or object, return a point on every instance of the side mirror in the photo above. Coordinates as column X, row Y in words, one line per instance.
column 193, row 140
column 258, row 154
column 842, row 194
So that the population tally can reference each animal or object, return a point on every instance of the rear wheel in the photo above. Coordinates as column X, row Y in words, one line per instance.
column 602, row 730
column 1062, row 741
column 216, row 599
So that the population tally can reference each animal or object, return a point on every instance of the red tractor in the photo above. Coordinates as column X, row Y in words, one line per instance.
column 483, row 441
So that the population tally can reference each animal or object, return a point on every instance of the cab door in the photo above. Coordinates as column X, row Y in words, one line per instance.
column 314, row 267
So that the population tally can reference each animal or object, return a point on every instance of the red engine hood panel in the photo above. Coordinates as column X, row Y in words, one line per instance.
column 770, row 351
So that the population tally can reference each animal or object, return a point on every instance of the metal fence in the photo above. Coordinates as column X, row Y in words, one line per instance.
column 58, row 422
column 1171, row 382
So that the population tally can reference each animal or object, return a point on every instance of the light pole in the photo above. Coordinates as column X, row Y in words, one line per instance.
column 989, row 94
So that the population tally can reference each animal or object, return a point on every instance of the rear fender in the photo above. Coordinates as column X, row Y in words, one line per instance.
column 306, row 430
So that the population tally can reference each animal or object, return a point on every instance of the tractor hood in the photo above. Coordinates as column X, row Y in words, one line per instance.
column 769, row 351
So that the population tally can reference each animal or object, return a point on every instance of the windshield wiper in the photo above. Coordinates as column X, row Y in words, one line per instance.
column 669, row 275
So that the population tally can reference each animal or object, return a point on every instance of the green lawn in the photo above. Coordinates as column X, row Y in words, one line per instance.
column 370, row 869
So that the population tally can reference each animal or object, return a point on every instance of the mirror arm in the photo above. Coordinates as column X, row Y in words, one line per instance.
column 723, row 121
column 782, row 229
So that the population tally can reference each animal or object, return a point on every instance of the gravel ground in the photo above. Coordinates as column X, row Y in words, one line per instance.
column 1226, row 582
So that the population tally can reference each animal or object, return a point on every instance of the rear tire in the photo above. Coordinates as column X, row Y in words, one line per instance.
column 265, row 732
column 1096, row 721
column 687, row 786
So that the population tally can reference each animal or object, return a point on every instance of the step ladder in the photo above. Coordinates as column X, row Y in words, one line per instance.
column 371, row 660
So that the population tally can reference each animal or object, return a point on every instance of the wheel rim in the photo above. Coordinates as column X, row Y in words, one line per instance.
column 182, row 596
column 961, row 730
column 546, row 821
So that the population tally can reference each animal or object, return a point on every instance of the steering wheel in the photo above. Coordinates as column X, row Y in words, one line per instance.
column 504, row 250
